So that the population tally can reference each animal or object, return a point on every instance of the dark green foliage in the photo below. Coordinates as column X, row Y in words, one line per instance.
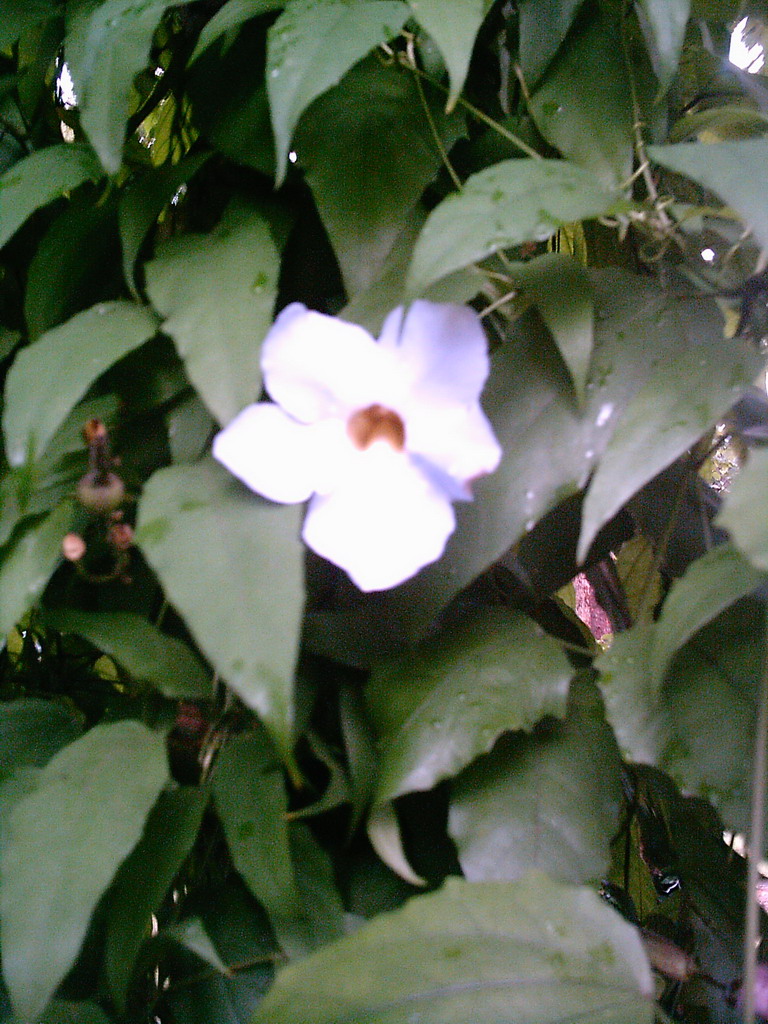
column 235, row 788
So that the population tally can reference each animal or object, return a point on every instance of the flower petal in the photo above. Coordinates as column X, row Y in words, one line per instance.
column 383, row 523
column 456, row 439
column 317, row 366
column 443, row 349
column 274, row 455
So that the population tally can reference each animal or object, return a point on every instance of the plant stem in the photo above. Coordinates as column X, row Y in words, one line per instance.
column 478, row 114
column 757, row 822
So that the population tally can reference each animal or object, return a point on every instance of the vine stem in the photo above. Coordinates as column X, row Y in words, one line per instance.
column 475, row 112
column 436, row 134
column 757, row 820
column 637, row 130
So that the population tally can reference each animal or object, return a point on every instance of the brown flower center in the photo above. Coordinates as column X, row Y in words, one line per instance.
column 376, row 423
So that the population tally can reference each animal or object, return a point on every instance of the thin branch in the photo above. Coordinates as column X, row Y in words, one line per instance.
column 637, row 130
column 435, row 134
column 754, row 853
column 475, row 112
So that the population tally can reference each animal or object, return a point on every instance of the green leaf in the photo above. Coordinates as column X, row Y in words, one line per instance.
column 311, row 45
column 232, row 564
column 106, row 46
column 143, row 201
column 486, row 952
column 544, row 24
column 371, row 132
column 65, row 841
column 47, row 379
column 683, row 398
column 709, row 586
column 40, row 177
column 738, row 513
column 16, row 16
column 217, row 293
column 710, row 700
column 231, row 16
column 32, row 731
column 562, row 292
column 454, row 26
column 143, row 651
column 321, row 903
column 229, row 95
column 548, row 801
column 699, row 725
column 144, row 878
column 583, row 106
column 663, row 23
column 190, row 428
column 511, row 202
column 192, row 935
column 63, row 1011
column 732, row 170
column 29, row 563
column 370, row 307
column 529, row 400
column 440, row 707
column 630, row 697
column 249, row 792
column 74, row 265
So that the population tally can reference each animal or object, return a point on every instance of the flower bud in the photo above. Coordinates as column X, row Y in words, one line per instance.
column 73, row 547
column 120, row 536
column 100, row 492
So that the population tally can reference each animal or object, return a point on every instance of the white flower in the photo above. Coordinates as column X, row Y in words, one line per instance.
column 382, row 436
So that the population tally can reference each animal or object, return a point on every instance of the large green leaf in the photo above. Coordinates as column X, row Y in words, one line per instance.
column 544, row 24
column 372, row 133
column 47, row 379
column 217, row 293
column 699, row 726
column 144, row 652
column 32, row 731
column 453, row 24
column 562, row 291
column 663, row 23
column 511, row 202
column 250, row 796
column 233, row 566
column 40, row 177
column 311, row 45
column 529, row 399
column 709, row 586
column 65, row 842
column 144, row 879
column 440, row 707
column 548, row 801
column 741, row 512
column 683, row 398
column 533, row 952
column 144, row 200
column 582, row 106
column 732, row 170
column 28, row 564
column 107, row 44
column 231, row 16
column 74, row 265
